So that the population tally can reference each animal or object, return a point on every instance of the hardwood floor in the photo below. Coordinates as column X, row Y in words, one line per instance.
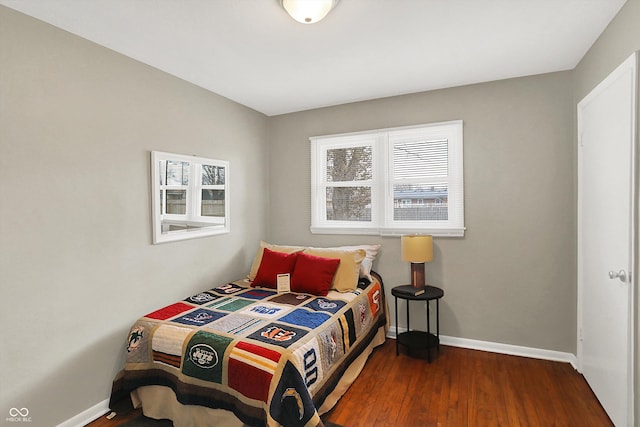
column 461, row 387
column 464, row 387
column 116, row 421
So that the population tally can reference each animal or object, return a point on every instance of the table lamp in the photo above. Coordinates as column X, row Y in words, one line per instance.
column 417, row 250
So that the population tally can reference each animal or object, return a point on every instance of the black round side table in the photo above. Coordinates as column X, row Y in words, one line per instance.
column 418, row 339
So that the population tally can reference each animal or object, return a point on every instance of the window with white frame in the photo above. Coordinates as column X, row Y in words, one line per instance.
column 390, row 181
column 190, row 196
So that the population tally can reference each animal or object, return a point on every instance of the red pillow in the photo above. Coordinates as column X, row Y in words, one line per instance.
column 313, row 274
column 272, row 264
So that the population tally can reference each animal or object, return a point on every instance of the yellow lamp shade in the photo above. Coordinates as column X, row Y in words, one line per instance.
column 417, row 248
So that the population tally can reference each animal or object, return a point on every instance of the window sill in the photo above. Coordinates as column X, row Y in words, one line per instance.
column 436, row 232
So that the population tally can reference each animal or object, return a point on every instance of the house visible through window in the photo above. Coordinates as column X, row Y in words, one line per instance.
column 390, row 181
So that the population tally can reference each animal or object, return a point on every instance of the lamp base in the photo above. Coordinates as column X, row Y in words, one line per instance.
column 417, row 275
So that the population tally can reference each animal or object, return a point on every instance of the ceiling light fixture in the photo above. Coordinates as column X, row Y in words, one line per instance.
column 308, row 11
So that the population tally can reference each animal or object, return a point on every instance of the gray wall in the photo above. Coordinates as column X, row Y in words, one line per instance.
column 77, row 123
column 617, row 42
column 511, row 279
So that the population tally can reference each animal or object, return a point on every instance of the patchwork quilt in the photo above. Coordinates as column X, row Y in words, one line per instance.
column 269, row 358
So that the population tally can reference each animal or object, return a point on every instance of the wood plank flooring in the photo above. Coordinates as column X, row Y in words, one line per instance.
column 461, row 387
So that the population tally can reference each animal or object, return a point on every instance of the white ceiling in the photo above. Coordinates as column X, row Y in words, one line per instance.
column 252, row 52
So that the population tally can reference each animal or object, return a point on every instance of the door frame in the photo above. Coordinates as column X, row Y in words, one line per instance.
column 632, row 64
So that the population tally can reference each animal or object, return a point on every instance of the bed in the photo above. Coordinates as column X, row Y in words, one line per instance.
column 248, row 353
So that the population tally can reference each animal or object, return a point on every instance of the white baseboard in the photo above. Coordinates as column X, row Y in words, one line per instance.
column 85, row 417
column 514, row 350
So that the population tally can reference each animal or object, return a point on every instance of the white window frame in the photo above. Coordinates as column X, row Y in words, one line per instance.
column 382, row 202
column 196, row 224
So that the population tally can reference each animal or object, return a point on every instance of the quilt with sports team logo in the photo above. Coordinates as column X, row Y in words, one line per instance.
column 270, row 358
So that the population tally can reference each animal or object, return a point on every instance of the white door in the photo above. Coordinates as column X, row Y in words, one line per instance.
column 606, row 236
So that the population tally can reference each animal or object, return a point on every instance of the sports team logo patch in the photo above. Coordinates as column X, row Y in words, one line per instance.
column 230, row 288
column 135, row 338
column 199, row 317
column 203, row 356
column 139, row 341
column 363, row 313
column 325, row 304
column 278, row 334
column 265, row 310
column 374, row 299
column 291, row 403
column 292, row 395
column 202, row 298
column 331, row 346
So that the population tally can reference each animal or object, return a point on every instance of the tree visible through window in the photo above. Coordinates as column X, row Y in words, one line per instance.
column 349, row 169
